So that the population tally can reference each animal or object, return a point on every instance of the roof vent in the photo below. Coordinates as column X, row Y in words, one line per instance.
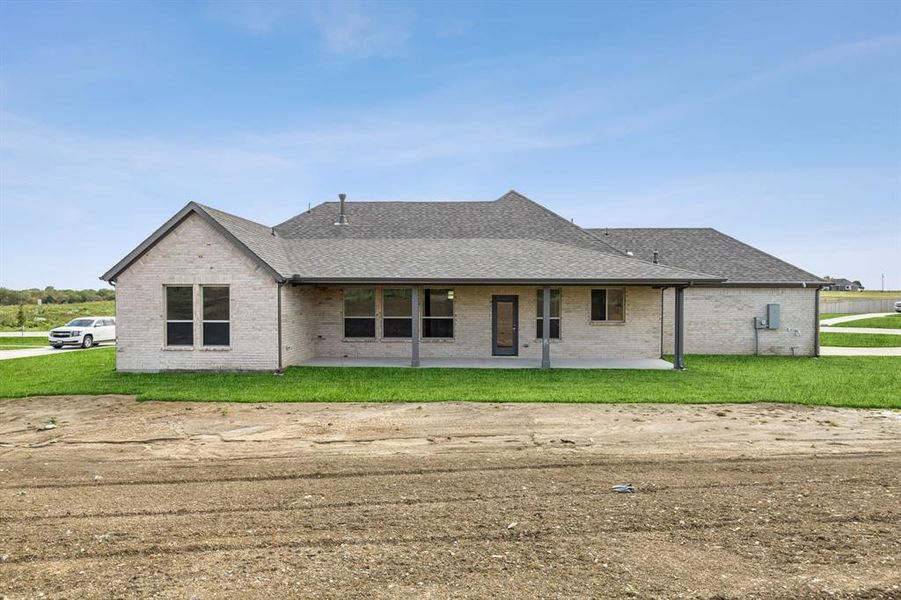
column 629, row 253
column 342, row 215
column 656, row 257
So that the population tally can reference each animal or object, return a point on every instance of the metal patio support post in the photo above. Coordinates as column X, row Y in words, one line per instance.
column 414, row 358
column 546, row 329
column 679, row 334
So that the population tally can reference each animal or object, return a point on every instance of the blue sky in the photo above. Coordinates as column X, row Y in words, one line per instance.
column 777, row 123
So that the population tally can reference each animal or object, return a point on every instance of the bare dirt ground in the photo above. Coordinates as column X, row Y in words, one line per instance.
column 179, row 500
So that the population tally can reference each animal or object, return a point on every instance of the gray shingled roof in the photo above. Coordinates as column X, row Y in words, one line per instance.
column 706, row 250
column 511, row 239
column 510, row 216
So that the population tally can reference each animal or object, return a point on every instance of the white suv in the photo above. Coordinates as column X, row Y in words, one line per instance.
column 84, row 332
column 898, row 306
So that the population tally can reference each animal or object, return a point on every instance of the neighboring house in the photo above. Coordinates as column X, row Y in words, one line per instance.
column 842, row 285
column 411, row 280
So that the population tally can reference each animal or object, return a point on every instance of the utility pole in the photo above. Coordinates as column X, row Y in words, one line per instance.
column 883, row 282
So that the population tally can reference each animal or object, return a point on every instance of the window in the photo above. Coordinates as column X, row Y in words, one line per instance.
column 608, row 304
column 438, row 313
column 359, row 313
column 397, row 312
column 216, row 322
column 179, row 316
column 555, row 315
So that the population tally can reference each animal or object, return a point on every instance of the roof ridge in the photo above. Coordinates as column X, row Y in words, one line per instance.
column 570, row 224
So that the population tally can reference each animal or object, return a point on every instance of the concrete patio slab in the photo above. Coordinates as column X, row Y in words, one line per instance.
column 494, row 363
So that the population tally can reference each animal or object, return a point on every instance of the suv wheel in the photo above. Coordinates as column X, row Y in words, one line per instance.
column 88, row 341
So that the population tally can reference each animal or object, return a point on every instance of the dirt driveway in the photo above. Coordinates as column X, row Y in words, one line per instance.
column 179, row 500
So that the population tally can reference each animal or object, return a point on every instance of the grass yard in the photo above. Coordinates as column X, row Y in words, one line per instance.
column 13, row 343
column 889, row 322
column 860, row 340
column 709, row 379
column 48, row 316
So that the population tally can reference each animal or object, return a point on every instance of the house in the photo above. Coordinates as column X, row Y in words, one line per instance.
column 842, row 285
column 426, row 282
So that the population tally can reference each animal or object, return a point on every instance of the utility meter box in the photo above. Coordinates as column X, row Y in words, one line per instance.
column 772, row 316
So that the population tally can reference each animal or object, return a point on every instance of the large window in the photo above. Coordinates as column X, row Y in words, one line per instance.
column 397, row 312
column 438, row 313
column 179, row 315
column 359, row 313
column 216, row 321
column 555, row 315
column 608, row 304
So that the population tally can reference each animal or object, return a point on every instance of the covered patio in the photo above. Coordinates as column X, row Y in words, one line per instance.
column 494, row 362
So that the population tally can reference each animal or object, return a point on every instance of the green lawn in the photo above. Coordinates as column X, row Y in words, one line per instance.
column 47, row 316
column 889, row 322
column 827, row 381
column 11, row 343
column 860, row 340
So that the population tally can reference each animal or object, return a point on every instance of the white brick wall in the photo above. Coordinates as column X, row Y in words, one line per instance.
column 638, row 337
column 720, row 320
column 193, row 254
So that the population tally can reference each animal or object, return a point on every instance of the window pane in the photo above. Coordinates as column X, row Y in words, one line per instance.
column 438, row 328
column 397, row 328
column 438, row 303
column 215, row 334
column 179, row 303
column 179, row 334
column 598, row 305
column 397, row 302
column 615, row 302
column 555, row 303
column 215, row 303
column 359, row 302
column 359, row 328
column 555, row 329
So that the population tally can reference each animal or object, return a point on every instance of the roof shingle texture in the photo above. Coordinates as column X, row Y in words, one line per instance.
column 706, row 250
column 511, row 238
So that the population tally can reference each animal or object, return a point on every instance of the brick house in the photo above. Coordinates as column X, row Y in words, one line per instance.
column 425, row 282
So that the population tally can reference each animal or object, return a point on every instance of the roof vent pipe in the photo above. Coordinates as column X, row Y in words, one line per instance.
column 656, row 257
column 342, row 216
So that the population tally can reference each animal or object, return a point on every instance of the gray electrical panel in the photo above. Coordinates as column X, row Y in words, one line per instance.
column 772, row 316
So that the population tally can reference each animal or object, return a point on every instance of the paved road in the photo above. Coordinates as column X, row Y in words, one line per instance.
column 26, row 352
column 835, row 320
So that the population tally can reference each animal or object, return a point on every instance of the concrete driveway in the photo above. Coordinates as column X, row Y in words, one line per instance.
column 26, row 352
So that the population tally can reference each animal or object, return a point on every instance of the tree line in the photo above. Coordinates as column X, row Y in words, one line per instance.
column 51, row 295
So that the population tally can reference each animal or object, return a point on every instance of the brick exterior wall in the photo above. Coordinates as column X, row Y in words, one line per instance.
column 194, row 253
column 720, row 320
column 638, row 337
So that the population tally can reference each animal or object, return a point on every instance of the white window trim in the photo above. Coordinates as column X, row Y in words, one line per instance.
column 423, row 318
column 203, row 343
column 607, row 307
column 167, row 320
column 375, row 315
column 540, row 316
column 383, row 317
